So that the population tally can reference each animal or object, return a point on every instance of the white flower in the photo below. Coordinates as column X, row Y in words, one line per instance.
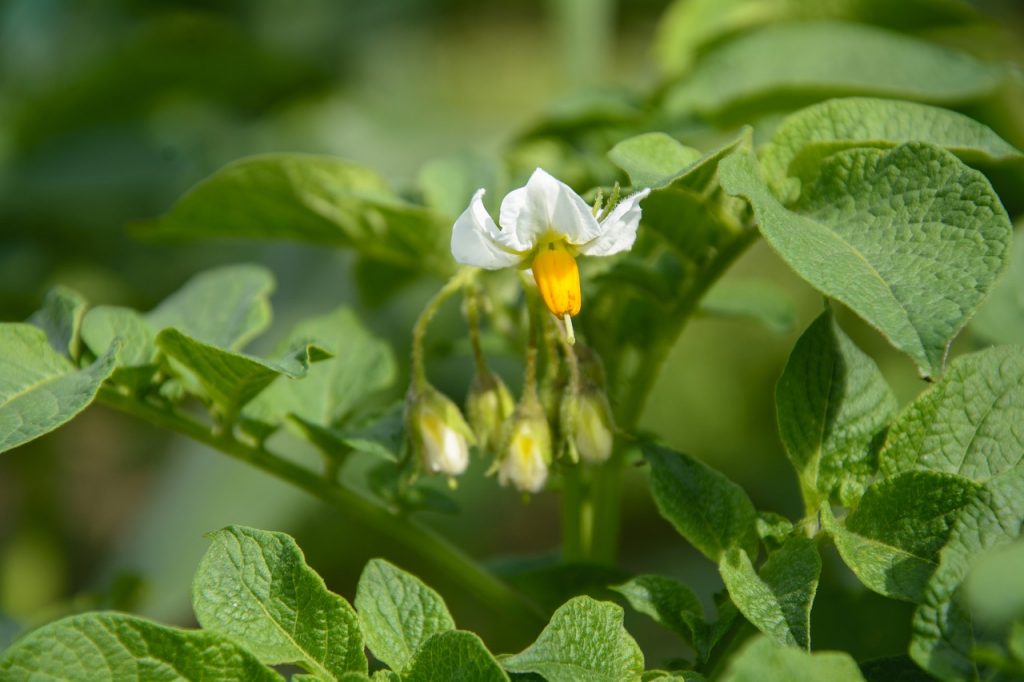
column 544, row 226
column 593, row 436
column 438, row 431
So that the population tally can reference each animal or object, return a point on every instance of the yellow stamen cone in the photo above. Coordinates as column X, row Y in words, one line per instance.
column 558, row 279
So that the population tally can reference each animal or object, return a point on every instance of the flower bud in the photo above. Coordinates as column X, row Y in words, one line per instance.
column 488, row 405
column 593, row 428
column 439, row 434
column 527, row 452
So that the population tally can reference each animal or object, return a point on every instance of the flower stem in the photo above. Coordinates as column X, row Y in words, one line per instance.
column 432, row 548
column 460, row 279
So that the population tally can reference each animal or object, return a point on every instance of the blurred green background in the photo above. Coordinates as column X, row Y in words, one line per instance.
column 110, row 110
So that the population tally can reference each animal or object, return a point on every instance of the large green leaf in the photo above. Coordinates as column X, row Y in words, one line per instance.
column 399, row 613
column 318, row 199
column 969, row 423
column 710, row 511
column 255, row 587
column 363, row 364
column 584, row 640
column 61, row 319
column 777, row 598
column 763, row 661
column 911, row 239
column 892, row 540
column 1001, row 317
column 138, row 361
column 688, row 27
column 40, row 389
column 231, row 379
column 114, row 647
column 832, row 404
column 225, row 307
column 454, row 656
column 805, row 138
column 769, row 68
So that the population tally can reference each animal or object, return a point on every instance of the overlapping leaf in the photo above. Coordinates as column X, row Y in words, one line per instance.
column 254, row 587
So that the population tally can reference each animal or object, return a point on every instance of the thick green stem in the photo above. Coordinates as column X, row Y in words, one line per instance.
column 426, row 543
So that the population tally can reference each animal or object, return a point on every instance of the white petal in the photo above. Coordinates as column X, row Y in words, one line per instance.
column 546, row 204
column 618, row 230
column 477, row 241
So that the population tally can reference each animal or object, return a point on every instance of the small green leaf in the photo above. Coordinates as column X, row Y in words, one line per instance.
column 61, row 318
column 584, row 640
column 454, row 656
column 710, row 511
column 815, row 60
column 114, row 647
column 968, row 423
column 137, row 361
column 773, row 529
column 40, row 389
column 751, row 299
column 911, row 239
column 892, row 540
column 363, row 364
column 225, row 307
column 671, row 604
column 232, row 379
column 399, row 613
column 1000, row 318
column 652, row 159
column 805, row 138
column 318, row 199
column 832, row 404
column 763, row 661
column 776, row 599
column 255, row 587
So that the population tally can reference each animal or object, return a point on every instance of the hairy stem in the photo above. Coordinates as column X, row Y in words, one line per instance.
column 432, row 548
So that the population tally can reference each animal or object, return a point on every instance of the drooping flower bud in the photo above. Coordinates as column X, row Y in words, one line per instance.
column 488, row 405
column 593, row 423
column 438, row 432
column 527, row 451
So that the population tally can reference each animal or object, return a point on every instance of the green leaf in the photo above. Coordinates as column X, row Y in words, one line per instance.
column 710, row 511
column 968, row 423
column 763, row 661
column 805, row 138
column 255, row 587
column 363, row 364
column 40, row 389
column 399, row 613
column 994, row 589
column 752, row 299
column 310, row 198
column 61, row 318
column 652, row 159
column 94, row 647
column 769, row 68
column 776, row 599
column 910, row 239
column 945, row 634
column 892, row 540
column 687, row 27
column 137, row 361
column 671, row 604
column 231, row 379
column 584, row 640
column 454, row 656
column 1000, row 318
column 225, row 307
column 832, row 404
